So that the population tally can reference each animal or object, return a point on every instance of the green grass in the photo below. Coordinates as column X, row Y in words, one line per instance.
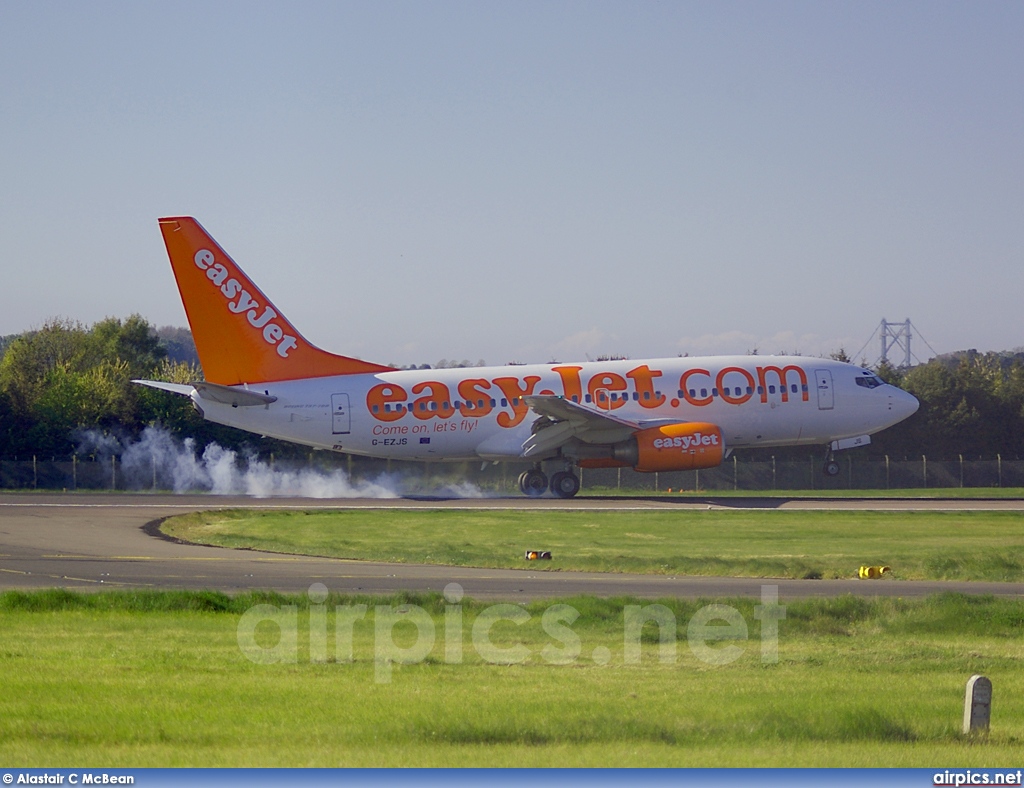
column 151, row 679
column 793, row 544
column 939, row 493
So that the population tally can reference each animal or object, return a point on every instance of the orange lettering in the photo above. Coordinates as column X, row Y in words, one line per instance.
column 477, row 402
column 600, row 387
column 698, row 401
column 572, row 389
column 730, row 398
column 510, row 388
column 436, row 404
column 762, row 374
column 643, row 379
column 384, row 394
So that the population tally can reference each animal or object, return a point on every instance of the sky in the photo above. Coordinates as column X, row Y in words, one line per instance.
column 530, row 181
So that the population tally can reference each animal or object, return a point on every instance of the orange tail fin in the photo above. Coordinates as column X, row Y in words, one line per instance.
column 240, row 336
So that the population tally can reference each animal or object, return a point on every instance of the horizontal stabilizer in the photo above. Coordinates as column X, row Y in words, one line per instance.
column 213, row 392
column 226, row 395
column 174, row 388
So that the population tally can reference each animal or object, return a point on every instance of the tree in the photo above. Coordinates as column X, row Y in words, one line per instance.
column 65, row 377
column 133, row 342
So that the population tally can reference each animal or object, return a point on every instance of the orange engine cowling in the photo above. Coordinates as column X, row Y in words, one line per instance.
column 679, row 447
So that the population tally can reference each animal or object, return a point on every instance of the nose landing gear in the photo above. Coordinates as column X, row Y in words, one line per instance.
column 831, row 466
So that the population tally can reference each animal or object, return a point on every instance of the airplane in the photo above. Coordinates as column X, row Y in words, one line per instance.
column 262, row 376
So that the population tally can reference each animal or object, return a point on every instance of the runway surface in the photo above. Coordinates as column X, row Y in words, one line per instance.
column 95, row 541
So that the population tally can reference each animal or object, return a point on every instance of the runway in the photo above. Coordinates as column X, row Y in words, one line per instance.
column 96, row 541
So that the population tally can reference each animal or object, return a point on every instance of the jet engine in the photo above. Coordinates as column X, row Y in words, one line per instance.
column 672, row 447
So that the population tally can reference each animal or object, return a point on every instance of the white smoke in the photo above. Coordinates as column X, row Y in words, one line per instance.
column 158, row 460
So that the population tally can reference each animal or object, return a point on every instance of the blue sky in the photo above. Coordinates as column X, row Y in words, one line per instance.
column 526, row 181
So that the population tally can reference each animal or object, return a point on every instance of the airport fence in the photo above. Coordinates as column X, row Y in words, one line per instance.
column 280, row 477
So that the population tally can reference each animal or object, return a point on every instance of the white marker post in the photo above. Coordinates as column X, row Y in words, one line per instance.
column 978, row 705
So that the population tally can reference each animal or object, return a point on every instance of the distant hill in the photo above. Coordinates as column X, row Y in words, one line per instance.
column 1007, row 358
column 6, row 341
column 178, row 343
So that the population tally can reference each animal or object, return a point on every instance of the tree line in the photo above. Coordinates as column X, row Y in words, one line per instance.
column 972, row 405
column 66, row 378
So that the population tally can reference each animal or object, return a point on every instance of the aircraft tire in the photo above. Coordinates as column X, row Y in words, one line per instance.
column 565, row 484
column 831, row 468
column 533, row 483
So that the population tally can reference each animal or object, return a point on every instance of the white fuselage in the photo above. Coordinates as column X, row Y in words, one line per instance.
column 479, row 413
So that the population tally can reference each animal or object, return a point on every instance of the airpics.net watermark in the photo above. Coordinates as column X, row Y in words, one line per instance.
column 713, row 633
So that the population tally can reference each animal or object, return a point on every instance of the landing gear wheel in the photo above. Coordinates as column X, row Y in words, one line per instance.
column 831, row 468
column 533, row 482
column 565, row 484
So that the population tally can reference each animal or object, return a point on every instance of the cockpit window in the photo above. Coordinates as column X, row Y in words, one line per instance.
column 869, row 381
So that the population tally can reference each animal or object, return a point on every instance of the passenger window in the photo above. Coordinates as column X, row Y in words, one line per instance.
column 587, row 399
column 714, row 392
column 771, row 389
column 376, row 408
column 792, row 388
column 575, row 398
column 749, row 390
column 703, row 393
column 493, row 403
column 693, row 393
column 760, row 389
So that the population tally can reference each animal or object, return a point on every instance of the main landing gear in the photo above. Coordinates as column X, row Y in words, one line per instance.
column 534, row 483
column 565, row 484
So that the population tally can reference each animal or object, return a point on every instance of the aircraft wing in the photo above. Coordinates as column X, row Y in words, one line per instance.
column 561, row 420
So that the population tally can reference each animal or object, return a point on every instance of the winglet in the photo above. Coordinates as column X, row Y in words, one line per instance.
column 240, row 336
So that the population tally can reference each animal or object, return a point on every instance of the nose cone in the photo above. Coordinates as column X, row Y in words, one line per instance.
column 904, row 404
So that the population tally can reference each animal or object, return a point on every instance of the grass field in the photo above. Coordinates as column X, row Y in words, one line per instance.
column 912, row 493
column 159, row 679
column 772, row 543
